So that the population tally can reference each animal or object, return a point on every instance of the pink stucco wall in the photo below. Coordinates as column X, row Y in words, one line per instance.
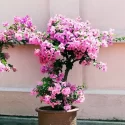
column 105, row 96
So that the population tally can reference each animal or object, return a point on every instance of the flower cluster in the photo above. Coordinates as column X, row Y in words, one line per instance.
column 79, row 39
column 66, row 42
column 21, row 31
column 73, row 40
column 58, row 94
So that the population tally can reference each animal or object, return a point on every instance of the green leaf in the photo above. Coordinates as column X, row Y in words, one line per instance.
column 10, row 65
column 56, row 47
column 4, row 61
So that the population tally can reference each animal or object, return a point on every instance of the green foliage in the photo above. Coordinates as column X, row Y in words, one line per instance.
column 47, row 82
column 119, row 39
column 58, row 65
column 3, row 61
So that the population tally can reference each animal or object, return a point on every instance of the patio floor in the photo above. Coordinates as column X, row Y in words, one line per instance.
column 8, row 120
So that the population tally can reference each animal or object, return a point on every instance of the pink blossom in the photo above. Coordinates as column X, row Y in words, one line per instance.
column 55, row 90
column 5, row 24
column 41, row 98
column 101, row 66
column 111, row 32
column 34, row 40
column 80, row 99
column 2, row 67
column 7, row 69
column 14, row 69
column 17, row 19
column 44, row 69
column 104, row 43
column 63, row 83
column 50, row 88
column 73, row 88
column 39, row 83
column 67, row 107
column 2, row 37
column 46, row 99
column 60, row 77
column 61, row 47
column 7, row 56
column 33, row 92
column 26, row 34
column 18, row 36
column 37, row 52
column 80, row 92
column 58, row 87
column 66, row 91
column 84, row 63
column 53, row 76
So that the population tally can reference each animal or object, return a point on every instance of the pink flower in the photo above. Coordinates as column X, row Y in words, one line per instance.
column 66, row 91
column 67, row 107
column 26, row 34
column 17, row 19
column 46, row 99
column 33, row 92
column 14, row 69
column 64, row 84
column 80, row 92
column 50, row 88
column 111, row 32
column 73, row 88
column 104, row 43
column 5, row 24
column 44, row 69
column 57, row 86
column 39, row 83
column 2, row 67
column 57, row 53
column 101, row 66
column 80, row 99
column 18, row 36
column 6, row 55
column 53, row 76
column 60, row 77
column 61, row 47
column 34, row 40
column 55, row 91
column 41, row 98
column 37, row 52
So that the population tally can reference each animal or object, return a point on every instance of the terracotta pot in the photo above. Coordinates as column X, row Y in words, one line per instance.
column 46, row 116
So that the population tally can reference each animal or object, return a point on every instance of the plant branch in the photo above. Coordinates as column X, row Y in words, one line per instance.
column 66, row 74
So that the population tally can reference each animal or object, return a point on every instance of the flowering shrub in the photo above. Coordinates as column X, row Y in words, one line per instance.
column 67, row 41
column 17, row 33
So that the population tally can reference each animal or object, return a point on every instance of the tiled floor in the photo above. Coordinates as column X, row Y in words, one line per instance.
column 33, row 121
column 17, row 121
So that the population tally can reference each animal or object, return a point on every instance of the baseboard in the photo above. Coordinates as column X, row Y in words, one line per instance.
column 9, row 120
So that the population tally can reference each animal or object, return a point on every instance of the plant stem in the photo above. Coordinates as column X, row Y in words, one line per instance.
column 66, row 74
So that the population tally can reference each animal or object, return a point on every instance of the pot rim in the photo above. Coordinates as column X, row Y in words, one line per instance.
column 74, row 109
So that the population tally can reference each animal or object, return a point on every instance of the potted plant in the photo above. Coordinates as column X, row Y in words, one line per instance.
column 66, row 41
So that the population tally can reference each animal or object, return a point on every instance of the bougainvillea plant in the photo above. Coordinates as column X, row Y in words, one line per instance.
column 19, row 32
column 67, row 41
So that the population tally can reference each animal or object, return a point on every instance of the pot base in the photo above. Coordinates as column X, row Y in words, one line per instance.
column 54, row 117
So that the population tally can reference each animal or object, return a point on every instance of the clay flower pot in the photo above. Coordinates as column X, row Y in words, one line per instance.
column 47, row 116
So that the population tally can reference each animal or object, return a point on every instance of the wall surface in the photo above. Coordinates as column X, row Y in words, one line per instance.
column 105, row 95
